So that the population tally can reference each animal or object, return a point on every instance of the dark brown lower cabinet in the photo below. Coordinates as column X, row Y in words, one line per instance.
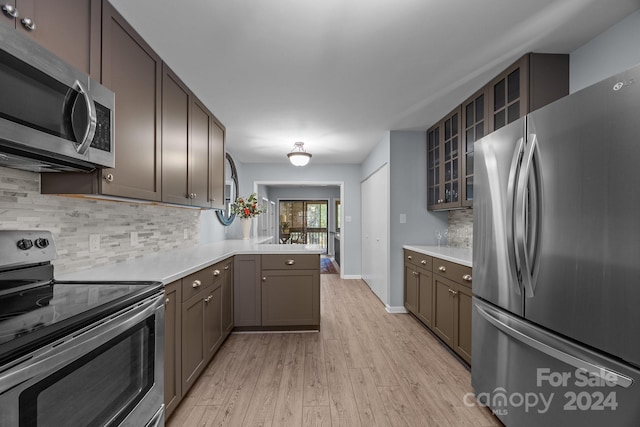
column 291, row 298
column 441, row 299
column 194, row 332
column 247, row 307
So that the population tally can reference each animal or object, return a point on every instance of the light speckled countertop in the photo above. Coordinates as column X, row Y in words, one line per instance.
column 463, row 256
column 167, row 267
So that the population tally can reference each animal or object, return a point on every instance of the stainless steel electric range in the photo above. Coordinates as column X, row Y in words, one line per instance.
column 76, row 353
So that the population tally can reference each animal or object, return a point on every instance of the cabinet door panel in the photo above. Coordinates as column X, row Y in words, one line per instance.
column 193, row 346
column 133, row 71
column 175, row 137
column 410, row 289
column 425, row 297
column 227, row 298
column 68, row 28
column 443, row 309
column 463, row 323
column 247, row 307
column 216, row 165
column 199, row 154
column 290, row 298
column 213, row 320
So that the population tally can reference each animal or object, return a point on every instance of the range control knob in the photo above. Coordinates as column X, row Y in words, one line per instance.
column 41, row 242
column 24, row 244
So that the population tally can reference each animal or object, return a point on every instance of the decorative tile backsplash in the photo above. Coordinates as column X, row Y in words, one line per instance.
column 73, row 219
column 461, row 228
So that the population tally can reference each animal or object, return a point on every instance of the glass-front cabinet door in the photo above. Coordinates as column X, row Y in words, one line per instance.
column 509, row 94
column 443, row 163
column 474, row 123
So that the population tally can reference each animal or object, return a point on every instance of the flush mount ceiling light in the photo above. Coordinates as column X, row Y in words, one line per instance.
column 297, row 156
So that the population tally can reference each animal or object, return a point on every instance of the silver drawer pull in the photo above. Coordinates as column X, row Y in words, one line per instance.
column 216, row 273
column 208, row 299
column 196, row 284
column 9, row 10
column 423, row 262
column 466, row 277
column 442, row 268
column 409, row 257
column 28, row 24
column 290, row 261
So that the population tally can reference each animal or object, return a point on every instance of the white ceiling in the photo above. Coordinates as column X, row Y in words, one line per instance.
column 337, row 74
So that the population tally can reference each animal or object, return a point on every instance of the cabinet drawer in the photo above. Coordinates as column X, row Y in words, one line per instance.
column 291, row 262
column 196, row 282
column 418, row 259
column 452, row 271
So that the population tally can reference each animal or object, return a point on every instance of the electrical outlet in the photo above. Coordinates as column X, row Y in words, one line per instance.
column 134, row 238
column 186, row 233
column 94, row 242
column 403, row 218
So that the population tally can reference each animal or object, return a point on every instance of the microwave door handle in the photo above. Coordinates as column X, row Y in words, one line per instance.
column 91, row 123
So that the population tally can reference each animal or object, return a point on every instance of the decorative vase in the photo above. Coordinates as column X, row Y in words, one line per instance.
column 246, row 228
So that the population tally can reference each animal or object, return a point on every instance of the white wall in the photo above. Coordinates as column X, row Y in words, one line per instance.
column 615, row 50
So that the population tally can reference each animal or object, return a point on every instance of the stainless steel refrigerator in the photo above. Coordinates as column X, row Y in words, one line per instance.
column 556, row 262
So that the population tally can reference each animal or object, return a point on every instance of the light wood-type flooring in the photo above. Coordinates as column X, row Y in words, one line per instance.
column 365, row 367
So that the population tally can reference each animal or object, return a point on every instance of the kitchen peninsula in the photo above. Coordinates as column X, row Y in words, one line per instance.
column 212, row 289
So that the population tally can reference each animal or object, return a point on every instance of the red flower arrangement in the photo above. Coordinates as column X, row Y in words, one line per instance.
column 247, row 208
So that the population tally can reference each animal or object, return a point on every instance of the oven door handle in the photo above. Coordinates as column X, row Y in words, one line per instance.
column 60, row 353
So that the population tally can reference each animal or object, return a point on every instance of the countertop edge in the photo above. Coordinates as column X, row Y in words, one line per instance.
column 169, row 266
column 462, row 256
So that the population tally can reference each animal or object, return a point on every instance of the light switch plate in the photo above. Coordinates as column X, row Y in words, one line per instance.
column 403, row 218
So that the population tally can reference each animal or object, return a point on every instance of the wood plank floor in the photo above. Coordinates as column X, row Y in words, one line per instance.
column 364, row 368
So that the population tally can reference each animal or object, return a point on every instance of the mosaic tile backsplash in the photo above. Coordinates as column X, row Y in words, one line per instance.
column 461, row 228
column 72, row 220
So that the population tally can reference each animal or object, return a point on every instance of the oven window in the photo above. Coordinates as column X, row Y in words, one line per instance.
column 98, row 389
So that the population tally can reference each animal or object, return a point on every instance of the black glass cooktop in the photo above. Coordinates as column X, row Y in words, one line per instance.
column 33, row 315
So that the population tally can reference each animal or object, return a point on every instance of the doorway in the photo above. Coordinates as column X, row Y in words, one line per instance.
column 304, row 222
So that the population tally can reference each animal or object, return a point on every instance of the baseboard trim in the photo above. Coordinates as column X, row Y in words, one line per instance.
column 395, row 310
column 351, row 276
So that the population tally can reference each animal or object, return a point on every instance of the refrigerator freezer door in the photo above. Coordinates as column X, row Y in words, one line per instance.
column 585, row 279
column 531, row 377
column 497, row 161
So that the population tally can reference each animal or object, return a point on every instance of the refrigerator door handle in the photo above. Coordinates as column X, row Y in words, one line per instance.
column 521, row 332
column 526, row 217
column 512, row 185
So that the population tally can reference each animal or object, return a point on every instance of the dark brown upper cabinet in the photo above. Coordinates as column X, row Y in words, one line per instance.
column 443, row 163
column 532, row 82
column 474, row 126
column 68, row 28
column 169, row 147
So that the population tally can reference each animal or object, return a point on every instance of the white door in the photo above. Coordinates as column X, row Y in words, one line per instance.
column 375, row 232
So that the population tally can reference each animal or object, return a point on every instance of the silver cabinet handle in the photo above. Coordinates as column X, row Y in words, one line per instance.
column 442, row 268
column 208, row 299
column 196, row 284
column 91, row 126
column 108, row 177
column 28, row 24
column 415, row 273
column 167, row 301
column 409, row 257
column 226, row 267
column 264, row 278
column 216, row 273
column 290, row 261
column 466, row 277
column 192, row 195
column 423, row 262
column 10, row 10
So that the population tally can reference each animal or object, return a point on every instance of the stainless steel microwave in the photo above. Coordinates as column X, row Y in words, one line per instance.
column 52, row 116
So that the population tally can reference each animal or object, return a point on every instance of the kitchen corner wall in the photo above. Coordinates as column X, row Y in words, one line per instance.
column 72, row 220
